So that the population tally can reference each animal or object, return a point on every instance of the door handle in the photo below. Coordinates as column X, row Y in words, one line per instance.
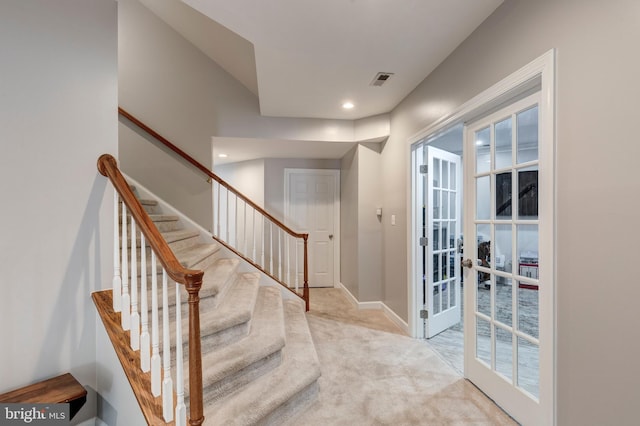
column 467, row 263
column 331, row 236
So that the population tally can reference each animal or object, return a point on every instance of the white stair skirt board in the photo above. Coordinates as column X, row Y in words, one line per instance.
column 258, row 357
column 377, row 305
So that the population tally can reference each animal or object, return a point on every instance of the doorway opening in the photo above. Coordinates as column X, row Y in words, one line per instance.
column 497, row 261
column 441, row 231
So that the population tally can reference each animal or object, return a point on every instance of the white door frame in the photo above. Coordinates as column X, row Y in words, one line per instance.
column 538, row 73
column 336, row 210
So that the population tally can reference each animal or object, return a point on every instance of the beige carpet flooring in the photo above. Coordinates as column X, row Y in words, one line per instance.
column 373, row 374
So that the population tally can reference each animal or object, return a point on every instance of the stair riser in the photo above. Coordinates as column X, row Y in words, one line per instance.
column 247, row 375
column 208, row 342
column 175, row 245
column 166, row 226
column 162, row 225
column 296, row 405
column 184, row 243
column 206, row 262
column 150, row 206
column 225, row 337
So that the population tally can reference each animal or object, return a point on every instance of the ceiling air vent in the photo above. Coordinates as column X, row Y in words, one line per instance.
column 380, row 78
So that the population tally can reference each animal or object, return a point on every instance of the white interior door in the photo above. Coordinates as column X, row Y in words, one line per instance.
column 311, row 206
column 507, row 219
column 438, row 244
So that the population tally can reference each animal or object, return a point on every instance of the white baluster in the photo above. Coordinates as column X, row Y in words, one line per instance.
column 297, row 265
column 134, row 336
column 271, row 248
column 181, row 409
column 236, row 222
column 288, row 251
column 117, row 280
column 167, row 383
column 253, row 216
column 280, row 254
column 145, row 344
column 262, row 237
column 218, row 208
column 155, row 334
column 125, row 316
column 228, row 221
column 244, row 227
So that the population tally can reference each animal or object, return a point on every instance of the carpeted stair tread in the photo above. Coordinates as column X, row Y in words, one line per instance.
column 237, row 309
column 188, row 257
column 170, row 237
column 150, row 206
column 163, row 217
column 191, row 256
column 230, row 367
column 180, row 234
column 217, row 278
column 265, row 400
column 165, row 222
column 155, row 217
column 146, row 202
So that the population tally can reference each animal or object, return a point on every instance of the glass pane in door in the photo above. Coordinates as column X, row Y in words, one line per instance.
column 483, row 150
column 483, row 340
column 528, row 366
column 527, row 135
column 503, row 151
column 483, row 198
column 504, row 352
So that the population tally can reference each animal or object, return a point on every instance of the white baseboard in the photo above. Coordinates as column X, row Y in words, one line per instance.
column 376, row 305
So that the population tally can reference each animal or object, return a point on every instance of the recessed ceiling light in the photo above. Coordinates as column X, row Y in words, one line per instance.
column 222, row 155
column 347, row 105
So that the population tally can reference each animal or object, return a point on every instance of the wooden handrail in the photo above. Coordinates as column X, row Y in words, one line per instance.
column 210, row 175
column 206, row 171
column 191, row 279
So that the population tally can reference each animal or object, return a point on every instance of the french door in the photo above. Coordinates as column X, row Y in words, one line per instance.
column 507, row 268
column 438, row 184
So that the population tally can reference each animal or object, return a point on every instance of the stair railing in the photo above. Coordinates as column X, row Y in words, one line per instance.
column 247, row 229
column 133, row 230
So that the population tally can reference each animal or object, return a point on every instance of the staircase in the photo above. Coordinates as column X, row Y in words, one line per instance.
column 259, row 365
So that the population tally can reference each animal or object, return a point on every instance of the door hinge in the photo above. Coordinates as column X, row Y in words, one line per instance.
column 424, row 314
column 424, row 169
column 424, row 241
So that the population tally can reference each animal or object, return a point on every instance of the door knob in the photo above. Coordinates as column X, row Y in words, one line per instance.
column 467, row 263
column 331, row 236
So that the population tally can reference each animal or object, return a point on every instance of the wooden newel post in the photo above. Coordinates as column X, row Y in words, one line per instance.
column 305, row 294
column 196, row 406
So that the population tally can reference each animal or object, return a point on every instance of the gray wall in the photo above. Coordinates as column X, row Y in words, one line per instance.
column 361, row 228
column 172, row 87
column 597, row 92
column 245, row 176
column 349, row 267
column 58, row 99
column 369, row 224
